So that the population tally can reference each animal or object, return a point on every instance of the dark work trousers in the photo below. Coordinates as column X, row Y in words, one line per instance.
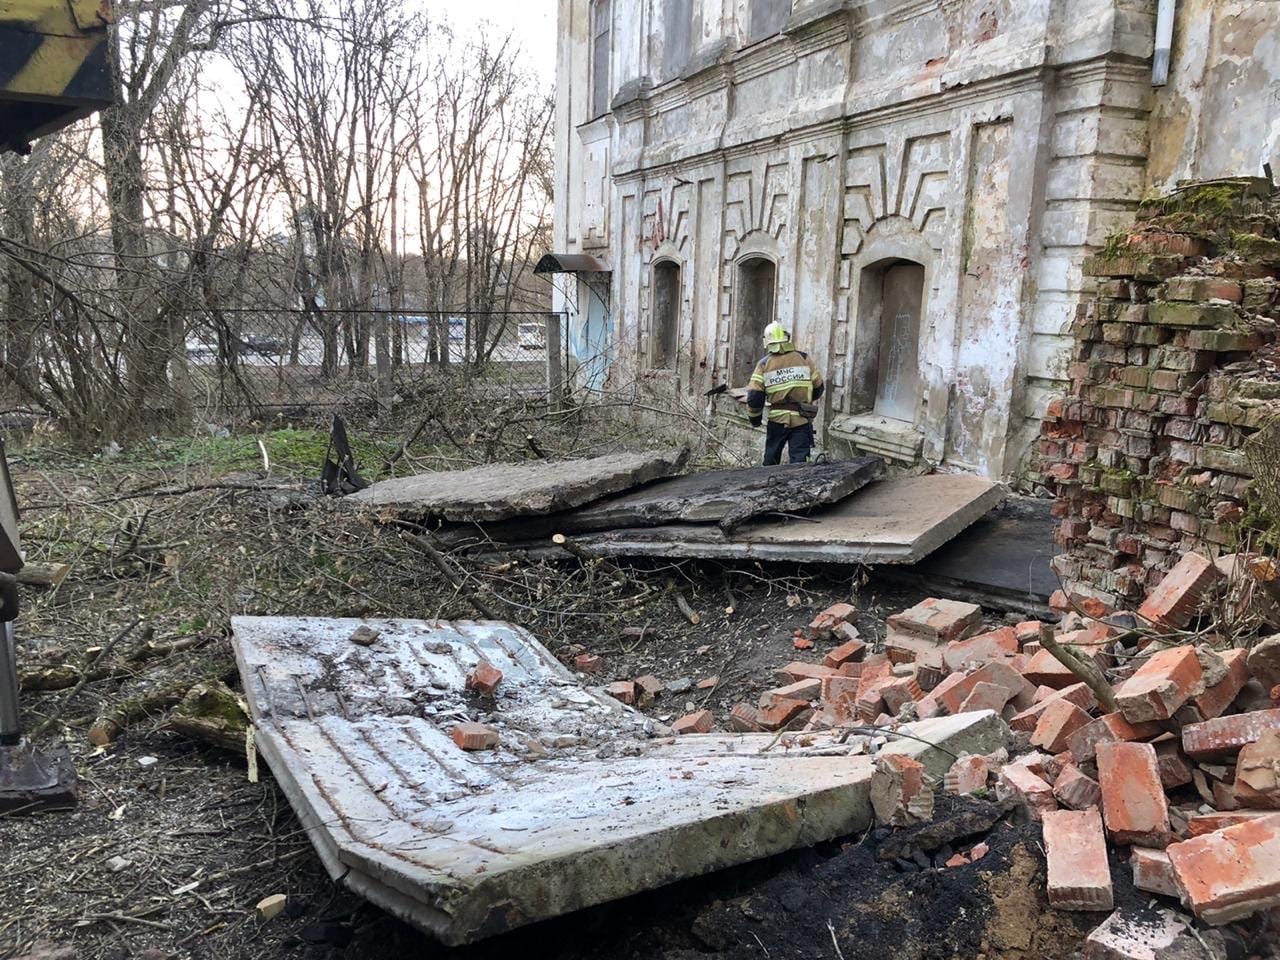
column 797, row 440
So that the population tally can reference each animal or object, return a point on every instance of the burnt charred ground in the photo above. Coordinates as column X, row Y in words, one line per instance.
column 174, row 854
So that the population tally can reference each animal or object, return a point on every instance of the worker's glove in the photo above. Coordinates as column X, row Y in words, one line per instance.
column 756, row 421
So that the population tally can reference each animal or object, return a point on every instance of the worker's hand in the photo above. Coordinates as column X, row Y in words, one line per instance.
column 756, row 421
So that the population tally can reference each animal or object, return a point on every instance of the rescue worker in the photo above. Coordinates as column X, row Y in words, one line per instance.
column 790, row 385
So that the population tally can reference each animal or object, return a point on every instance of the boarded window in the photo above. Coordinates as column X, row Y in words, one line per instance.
column 665, row 332
column 898, row 367
column 757, row 280
column 677, row 36
column 766, row 18
column 601, row 43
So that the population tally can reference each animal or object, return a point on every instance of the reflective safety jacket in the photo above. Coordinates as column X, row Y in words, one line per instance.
column 784, row 381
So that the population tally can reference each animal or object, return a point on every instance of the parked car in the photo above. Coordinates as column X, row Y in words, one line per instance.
column 260, row 344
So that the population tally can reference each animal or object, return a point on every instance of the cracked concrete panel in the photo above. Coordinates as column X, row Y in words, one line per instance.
column 497, row 491
column 577, row 805
column 892, row 521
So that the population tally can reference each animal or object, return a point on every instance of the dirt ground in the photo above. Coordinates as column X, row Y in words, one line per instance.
column 171, row 846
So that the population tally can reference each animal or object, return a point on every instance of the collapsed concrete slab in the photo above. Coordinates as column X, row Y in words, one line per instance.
column 900, row 520
column 577, row 804
column 497, row 491
column 729, row 497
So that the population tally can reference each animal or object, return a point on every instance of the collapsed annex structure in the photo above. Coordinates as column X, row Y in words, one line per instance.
column 912, row 187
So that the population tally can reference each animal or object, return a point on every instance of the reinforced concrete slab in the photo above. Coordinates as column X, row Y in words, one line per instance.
column 497, row 491
column 729, row 497
column 900, row 520
column 583, row 801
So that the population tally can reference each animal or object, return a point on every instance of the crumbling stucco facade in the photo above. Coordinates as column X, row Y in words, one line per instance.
column 911, row 186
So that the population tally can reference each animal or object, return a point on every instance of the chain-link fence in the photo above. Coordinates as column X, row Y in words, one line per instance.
column 230, row 365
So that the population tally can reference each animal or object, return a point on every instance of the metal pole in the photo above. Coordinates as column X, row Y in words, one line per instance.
column 10, row 723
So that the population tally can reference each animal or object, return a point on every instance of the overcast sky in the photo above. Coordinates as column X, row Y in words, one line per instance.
column 533, row 22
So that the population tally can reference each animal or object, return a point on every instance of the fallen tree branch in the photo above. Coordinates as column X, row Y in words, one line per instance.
column 425, row 542
column 52, row 718
column 108, row 727
column 1084, row 668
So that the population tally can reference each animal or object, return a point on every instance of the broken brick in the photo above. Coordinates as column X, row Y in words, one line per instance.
column 1232, row 873
column 1015, row 780
column 1257, row 782
column 708, row 683
column 840, row 696
column 1076, row 790
column 649, row 685
column 587, row 663
column 900, row 793
column 967, row 775
column 781, row 713
column 899, row 692
column 799, row 670
column 484, row 678
column 1076, row 851
column 1109, row 728
column 803, row 690
column 1077, row 693
column 744, row 718
column 985, row 696
column 1046, row 670
column 1264, row 660
column 699, row 722
column 905, row 648
column 1202, row 823
column 1222, row 694
column 1028, row 631
column 824, row 623
column 1021, row 692
column 1060, row 719
column 1224, row 736
column 1163, row 683
column 1175, row 769
column 474, row 736
column 1133, row 801
column 623, row 690
column 1153, row 871
column 938, row 620
column 848, row 652
column 975, row 651
column 802, row 643
column 1175, row 600
column 957, row 860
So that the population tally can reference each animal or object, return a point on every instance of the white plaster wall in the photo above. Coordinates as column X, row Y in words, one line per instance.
column 998, row 141
column 1219, row 116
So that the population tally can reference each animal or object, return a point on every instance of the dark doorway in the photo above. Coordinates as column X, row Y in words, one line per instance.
column 754, row 310
column 665, row 332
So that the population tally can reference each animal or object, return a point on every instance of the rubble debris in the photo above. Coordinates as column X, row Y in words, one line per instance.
column 1224, row 736
column 1257, row 782
column 588, row 663
column 1264, row 660
column 1153, row 871
column 624, row 691
column 1017, row 781
column 1133, row 802
column 700, row 722
column 1129, row 935
column 941, row 621
column 647, row 810
column 364, row 635
column 1076, row 850
column 474, row 736
column 900, row 791
column 269, row 908
column 1076, row 790
column 484, row 678
column 968, row 774
column 1174, row 601
column 497, row 491
column 1231, row 873
column 1163, row 683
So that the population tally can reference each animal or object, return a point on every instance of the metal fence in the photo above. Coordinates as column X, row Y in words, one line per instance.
column 247, row 362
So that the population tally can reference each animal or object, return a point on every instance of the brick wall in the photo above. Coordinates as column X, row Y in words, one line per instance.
column 1175, row 366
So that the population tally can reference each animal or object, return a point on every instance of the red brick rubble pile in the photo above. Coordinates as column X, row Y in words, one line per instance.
column 1175, row 369
column 1182, row 770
